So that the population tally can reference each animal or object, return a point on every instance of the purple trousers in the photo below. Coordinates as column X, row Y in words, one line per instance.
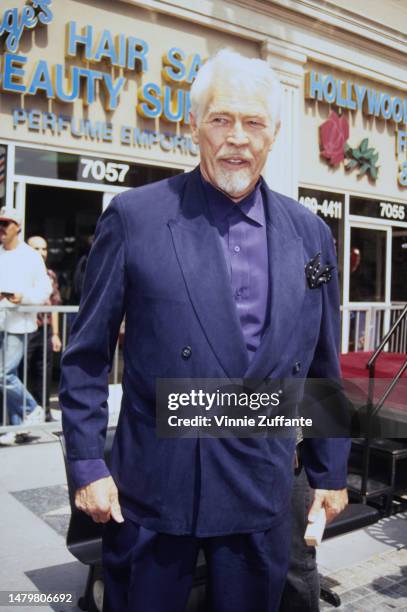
column 145, row 571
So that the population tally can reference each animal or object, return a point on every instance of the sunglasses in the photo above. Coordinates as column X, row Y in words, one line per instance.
column 5, row 223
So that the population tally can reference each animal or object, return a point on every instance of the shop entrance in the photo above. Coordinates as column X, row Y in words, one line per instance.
column 63, row 194
column 66, row 218
column 369, row 284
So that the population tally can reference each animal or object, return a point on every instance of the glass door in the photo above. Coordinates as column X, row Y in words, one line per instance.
column 66, row 218
column 369, row 284
column 367, row 279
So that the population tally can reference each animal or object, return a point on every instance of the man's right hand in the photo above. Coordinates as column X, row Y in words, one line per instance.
column 100, row 500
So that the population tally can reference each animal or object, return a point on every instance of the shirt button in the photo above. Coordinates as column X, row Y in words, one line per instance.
column 237, row 249
column 186, row 352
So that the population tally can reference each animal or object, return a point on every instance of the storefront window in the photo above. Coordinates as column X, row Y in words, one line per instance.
column 66, row 218
column 329, row 206
column 378, row 209
column 86, row 168
column 399, row 265
column 367, row 265
column 3, row 168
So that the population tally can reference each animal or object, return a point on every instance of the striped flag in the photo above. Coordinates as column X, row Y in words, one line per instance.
column 2, row 171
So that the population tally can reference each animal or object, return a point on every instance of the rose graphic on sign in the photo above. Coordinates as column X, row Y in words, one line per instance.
column 334, row 133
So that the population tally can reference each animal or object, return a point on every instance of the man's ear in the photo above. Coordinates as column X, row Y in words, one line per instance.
column 194, row 128
column 276, row 131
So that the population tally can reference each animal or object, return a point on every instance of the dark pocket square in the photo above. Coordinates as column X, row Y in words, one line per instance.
column 316, row 274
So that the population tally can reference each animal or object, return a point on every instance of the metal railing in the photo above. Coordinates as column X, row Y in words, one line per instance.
column 397, row 343
column 371, row 364
column 368, row 324
column 373, row 408
column 22, row 370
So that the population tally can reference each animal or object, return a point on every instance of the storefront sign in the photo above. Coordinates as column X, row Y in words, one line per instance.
column 67, row 83
column 100, row 131
column 334, row 145
column 12, row 25
column 346, row 94
column 324, row 204
column 84, row 168
column 100, row 170
column 390, row 211
column 401, row 152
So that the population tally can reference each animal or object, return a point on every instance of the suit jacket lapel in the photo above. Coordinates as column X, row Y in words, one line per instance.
column 203, row 266
column 287, row 287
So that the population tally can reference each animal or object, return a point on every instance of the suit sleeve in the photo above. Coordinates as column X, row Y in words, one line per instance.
column 326, row 459
column 87, row 360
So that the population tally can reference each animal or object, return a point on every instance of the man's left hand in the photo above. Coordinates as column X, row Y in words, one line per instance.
column 333, row 502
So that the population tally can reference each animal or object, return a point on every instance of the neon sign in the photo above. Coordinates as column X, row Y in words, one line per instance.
column 14, row 25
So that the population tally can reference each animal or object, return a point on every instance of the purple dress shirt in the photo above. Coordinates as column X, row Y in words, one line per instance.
column 242, row 230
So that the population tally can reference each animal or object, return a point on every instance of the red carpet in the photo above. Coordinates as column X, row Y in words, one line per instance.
column 387, row 365
column 355, row 374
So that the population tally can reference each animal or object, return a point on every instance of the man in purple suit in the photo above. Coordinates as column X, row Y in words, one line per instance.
column 208, row 268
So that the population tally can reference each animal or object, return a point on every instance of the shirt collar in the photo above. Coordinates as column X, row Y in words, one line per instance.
column 220, row 205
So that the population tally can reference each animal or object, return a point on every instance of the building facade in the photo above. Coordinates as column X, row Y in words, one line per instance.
column 94, row 99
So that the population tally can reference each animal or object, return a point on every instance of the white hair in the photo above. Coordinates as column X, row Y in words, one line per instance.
column 241, row 74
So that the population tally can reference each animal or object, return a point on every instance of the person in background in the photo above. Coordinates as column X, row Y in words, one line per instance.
column 39, row 360
column 23, row 280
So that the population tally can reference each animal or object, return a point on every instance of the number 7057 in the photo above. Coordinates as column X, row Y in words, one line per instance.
column 99, row 170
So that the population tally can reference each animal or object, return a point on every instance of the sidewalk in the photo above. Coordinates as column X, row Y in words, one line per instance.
column 367, row 568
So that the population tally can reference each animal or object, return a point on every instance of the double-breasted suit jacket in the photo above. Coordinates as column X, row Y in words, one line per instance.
column 157, row 259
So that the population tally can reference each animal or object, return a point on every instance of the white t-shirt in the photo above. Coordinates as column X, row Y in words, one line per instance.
column 22, row 270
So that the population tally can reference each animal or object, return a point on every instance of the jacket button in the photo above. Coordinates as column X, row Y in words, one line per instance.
column 297, row 367
column 186, row 352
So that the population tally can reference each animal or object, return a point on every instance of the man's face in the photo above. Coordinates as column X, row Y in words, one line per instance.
column 8, row 233
column 40, row 245
column 234, row 137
